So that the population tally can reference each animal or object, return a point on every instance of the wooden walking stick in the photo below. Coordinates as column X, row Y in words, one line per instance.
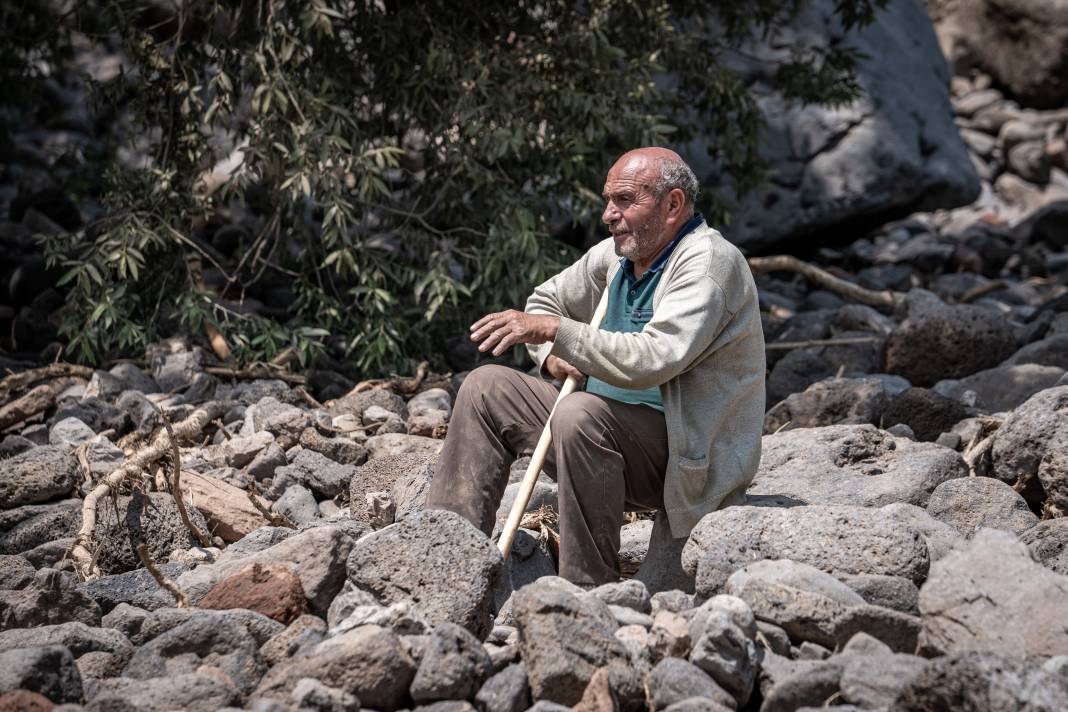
column 526, row 487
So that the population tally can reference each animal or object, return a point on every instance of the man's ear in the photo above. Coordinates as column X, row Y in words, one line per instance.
column 676, row 202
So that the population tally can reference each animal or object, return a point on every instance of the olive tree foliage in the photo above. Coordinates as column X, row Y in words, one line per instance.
column 369, row 175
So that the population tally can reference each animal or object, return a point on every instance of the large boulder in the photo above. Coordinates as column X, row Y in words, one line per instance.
column 853, row 465
column 834, row 539
column 895, row 149
column 149, row 518
column 38, row 475
column 991, row 595
column 927, row 413
column 1032, row 443
column 437, row 560
column 1022, row 44
column 973, row 502
column 1048, row 543
column 50, row 671
column 835, row 401
column 1003, row 387
column 226, row 508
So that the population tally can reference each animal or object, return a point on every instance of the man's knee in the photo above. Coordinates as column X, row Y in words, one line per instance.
column 578, row 414
column 483, row 380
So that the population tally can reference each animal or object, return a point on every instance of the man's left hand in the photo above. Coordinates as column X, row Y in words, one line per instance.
column 503, row 330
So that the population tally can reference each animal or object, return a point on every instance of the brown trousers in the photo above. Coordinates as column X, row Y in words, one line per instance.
column 607, row 457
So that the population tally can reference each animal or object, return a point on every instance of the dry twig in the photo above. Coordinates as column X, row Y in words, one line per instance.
column 276, row 519
column 254, row 371
column 788, row 263
column 307, row 397
column 400, row 386
column 24, row 379
column 163, row 581
column 791, row 345
column 176, row 485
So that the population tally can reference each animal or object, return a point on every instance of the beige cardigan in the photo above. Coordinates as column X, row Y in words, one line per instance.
column 704, row 347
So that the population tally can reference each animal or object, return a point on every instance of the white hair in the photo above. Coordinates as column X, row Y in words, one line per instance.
column 673, row 173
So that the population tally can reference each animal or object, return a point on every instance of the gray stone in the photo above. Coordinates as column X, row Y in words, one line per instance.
column 158, row 622
column 191, row 692
column 38, row 475
column 436, row 559
column 927, row 413
column 674, row 600
column 278, row 418
column 874, row 681
column 985, row 681
column 725, row 651
column 174, row 370
column 633, row 545
column 137, row 588
column 900, row 631
column 315, row 555
column 400, row 617
column 132, row 378
column 808, row 684
column 940, row 537
column 938, row 341
column 795, row 575
column 368, row 662
column 805, row 615
column 126, row 619
column 831, row 165
column 669, row 636
column 400, row 444
column 851, row 464
column 564, row 638
column 674, row 680
column 835, row 539
column 152, row 519
column 51, row 598
column 76, row 637
column 453, row 667
column 430, row 399
column 832, row 401
column 299, row 637
column 103, row 457
column 506, row 691
column 528, row 560
column 544, row 495
column 297, row 504
column 1048, row 543
column 893, row 592
column 630, row 594
column 1050, row 351
column 697, row 704
column 320, row 474
column 15, row 572
column 1003, row 387
column 311, row 694
column 392, row 474
column 50, row 671
column 29, row 526
column 1031, row 443
column 973, row 502
column 69, row 433
column 341, row 450
column 201, row 640
column 990, row 595
column 267, row 461
column 358, row 402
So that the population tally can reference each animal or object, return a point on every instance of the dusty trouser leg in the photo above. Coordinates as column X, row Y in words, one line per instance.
column 499, row 414
column 607, row 457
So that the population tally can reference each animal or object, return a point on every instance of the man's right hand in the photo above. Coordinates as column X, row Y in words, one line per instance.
column 561, row 369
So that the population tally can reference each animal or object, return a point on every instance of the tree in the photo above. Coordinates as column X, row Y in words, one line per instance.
column 367, row 175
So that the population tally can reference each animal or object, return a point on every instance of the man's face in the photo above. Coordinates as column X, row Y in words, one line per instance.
column 632, row 213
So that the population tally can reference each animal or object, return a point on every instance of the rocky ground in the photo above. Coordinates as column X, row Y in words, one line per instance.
column 904, row 545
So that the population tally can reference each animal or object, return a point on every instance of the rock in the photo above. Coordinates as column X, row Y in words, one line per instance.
column 309, row 693
column 132, row 378
column 507, row 691
column 76, row 637
column 833, row 165
column 383, row 474
column 1050, row 351
column 51, row 598
column 1004, row 387
column 201, row 640
column 810, row 684
column 98, row 415
column 566, row 637
column 151, row 519
column 207, row 691
column 297, row 504
column 544, row 495
column 341, row 450
column 25, row 701
column 267, row 461
column 436, row 559
column 851, row 464
column 674, row 680
column 229, row 513
column 103, row 457
column 985, row 681
column 1048, row 543
column 793, row 574
column 874, row 681
column 928, row 413
column 669, row 636
column 38, row 475
column 805, row 615
column 630, row 594
column 277, row 418
column 237, row 452
column 990, row 595
column 528, row 560
column 662, row 569
column 835, row 539
column 724, row 649
column 899, row 631
column 300, row 636
column 1029, row 444
column 400, row 444
column 49, row 671
column 400, row 617
column 174, row 370
column 973, row 502
column 633, row 545
column 320, row 474
column 429, row 400
column 940, row 537
column 315, row 555
column 271, row 589
column 893, row 592
column 697, row 704
column 15, row 572
column 368, row 662
column 29, row 526
column 1024, row 51
column 453, row 667
column 69, row 433
column 938, row 341
column 430, row 423
column 834, row 401
column 357, row 403
column 136, row 587
column 259, row 626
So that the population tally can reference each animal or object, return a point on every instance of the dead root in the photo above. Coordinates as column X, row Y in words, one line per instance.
column 788, row 263
column 176, row 484
column 171, row 587
column 545, row 521
column 18, row 382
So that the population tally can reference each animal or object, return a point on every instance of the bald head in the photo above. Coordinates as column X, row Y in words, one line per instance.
column 663, row 168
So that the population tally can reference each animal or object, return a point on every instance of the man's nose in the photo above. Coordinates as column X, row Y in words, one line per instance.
column 610, row 215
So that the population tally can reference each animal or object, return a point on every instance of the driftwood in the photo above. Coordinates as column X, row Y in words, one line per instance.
column 17, row 382
column 787, row 263
column 21, row 409
column 163, row 581
column 255, row 371
column 399, row 385
column 791, row 345
column 982, row 290
column 135, row 464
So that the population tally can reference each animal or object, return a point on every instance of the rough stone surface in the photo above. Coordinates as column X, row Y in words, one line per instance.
column 927, row 413
column 1031, row 443
column 301, row 635
column 29, row 526
column 834, row 401
column 973, row 502
column 835, row 539
column 674, row 680
column 851, row 465
column 309, row 693
column 1048, row 543
column 724, row 649
column 940, row 537
column 453, row 667
column 316, row 472
column 368, row 662
column 190, row 692
column 874, row 681
column 1003, row 387
column 893, row 592
column 506, row 691
column 226, row 508
column 69, row 433
column 899, row 631
column 382, row 474
column 990, row 595
column 51, row 598
column 50, row 671
column 151, row 519
column 38, row 475
column 76, row 637
column 436, row 559
column 25, row 701
column 270, row 589
column 400, row 444
column 15, row 572
column 137, row 588
column 297, row 504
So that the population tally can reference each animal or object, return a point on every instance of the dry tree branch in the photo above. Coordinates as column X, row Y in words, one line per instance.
column 23, row 379
column 276, row 519
column 163, row 581
column 791, row 345
column 255, row 371
column 788, row 263
column 176, row 485
column 21, row 409
column 134, row 465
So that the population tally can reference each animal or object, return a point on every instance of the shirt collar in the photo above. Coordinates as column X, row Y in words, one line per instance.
column 693, row 224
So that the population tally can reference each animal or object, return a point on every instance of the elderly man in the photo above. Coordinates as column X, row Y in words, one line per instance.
column 671, row 415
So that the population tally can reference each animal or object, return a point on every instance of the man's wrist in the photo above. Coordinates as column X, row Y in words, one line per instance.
column 552, row 326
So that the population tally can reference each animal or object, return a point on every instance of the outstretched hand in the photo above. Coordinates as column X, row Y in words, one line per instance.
column 501, row 331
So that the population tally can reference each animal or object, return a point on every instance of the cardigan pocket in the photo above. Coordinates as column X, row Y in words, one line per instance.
column 693, row 474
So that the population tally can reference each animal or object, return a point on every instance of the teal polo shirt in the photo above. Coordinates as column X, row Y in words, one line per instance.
column 630, row 307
